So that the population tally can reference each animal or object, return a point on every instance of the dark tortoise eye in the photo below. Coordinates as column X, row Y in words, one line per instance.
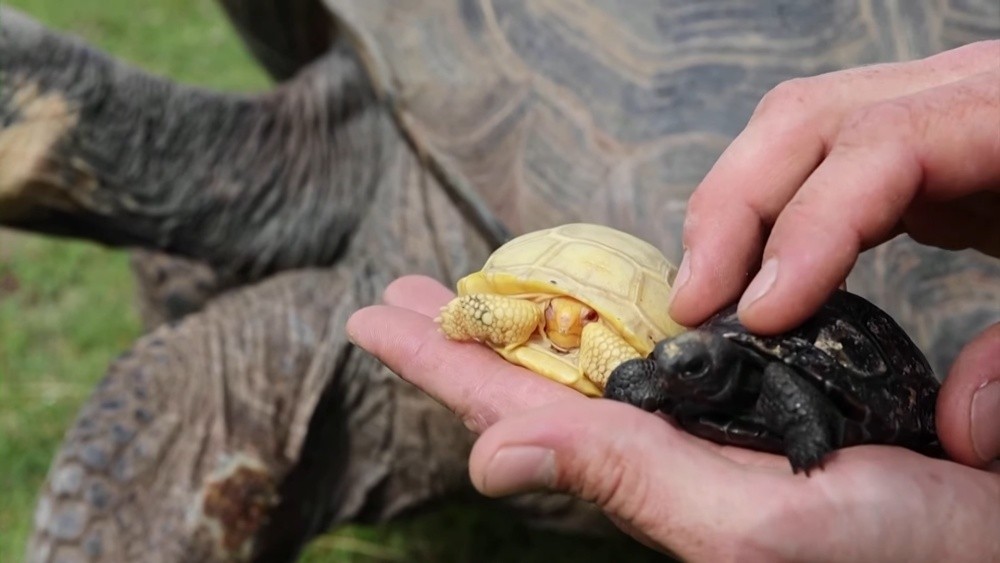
column 693, row 368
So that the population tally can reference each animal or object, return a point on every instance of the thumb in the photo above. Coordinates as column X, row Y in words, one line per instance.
column 968, row 407
column 634, row 465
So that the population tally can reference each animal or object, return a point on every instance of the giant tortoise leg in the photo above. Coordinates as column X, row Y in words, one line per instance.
column 283, row 35
column 251, row 184
column 246, row 429
column 809, row 423
column 169, row 288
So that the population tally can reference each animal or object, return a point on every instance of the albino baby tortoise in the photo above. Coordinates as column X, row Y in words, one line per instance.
column 570, row 303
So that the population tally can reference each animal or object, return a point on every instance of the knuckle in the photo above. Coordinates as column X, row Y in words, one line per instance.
column 802, row 211
column 599, row 480
column 787, row 96
column 794, row 113
column 475, row 421
column 477, row 411
column 615, row 479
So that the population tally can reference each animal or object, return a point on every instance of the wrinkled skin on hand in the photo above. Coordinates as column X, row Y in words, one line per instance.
column 827, row 167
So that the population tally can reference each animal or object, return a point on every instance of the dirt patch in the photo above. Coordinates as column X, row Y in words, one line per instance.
column 9, row 284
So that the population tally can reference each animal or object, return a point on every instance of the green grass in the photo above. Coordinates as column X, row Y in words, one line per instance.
column 62, row 317
column 188, row 40
column 66, row 309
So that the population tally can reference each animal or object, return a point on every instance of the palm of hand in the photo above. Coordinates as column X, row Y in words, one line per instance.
column 662, row 485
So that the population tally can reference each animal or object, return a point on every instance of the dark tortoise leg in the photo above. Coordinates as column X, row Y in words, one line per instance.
column 168, row 288
column 283, row 35
column 739, row 432
column 807, row 420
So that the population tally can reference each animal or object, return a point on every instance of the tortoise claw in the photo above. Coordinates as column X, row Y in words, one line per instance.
column 806, row 455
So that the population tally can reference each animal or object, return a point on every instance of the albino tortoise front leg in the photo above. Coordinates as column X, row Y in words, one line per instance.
column 601, row 351
column 505, row 322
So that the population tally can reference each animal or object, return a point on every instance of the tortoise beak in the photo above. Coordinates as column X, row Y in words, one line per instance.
column 649, row 403
column 635, row 382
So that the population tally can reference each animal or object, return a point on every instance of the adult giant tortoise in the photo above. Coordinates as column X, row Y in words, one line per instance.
column 404, row 137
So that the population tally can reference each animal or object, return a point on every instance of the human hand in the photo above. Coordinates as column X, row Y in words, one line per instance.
column 673, row 491
column 832, row 165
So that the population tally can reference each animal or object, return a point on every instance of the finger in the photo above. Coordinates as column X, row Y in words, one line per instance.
column 941, row 143
column 702, row 507
column 968, row 408
column 422, row 294
column 639, row 470
column 788, row 135
column 469, row 378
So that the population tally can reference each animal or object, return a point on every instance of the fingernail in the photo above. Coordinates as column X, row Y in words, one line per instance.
column 985, row 421
column 683, row 273
column 517, row 469
column 761, row 284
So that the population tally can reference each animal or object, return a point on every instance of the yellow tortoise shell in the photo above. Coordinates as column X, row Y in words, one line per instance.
column 622, row 277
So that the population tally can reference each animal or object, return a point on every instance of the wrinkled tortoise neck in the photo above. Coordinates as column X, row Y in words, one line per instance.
column 92, row 148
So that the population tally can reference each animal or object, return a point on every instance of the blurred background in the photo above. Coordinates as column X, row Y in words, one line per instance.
column 67, row 308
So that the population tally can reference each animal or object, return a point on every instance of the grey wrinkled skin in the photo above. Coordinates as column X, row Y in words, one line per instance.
column 169, row 288
column 399, row 138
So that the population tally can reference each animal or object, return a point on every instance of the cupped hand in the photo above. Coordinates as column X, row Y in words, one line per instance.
column 678, row 493
column 831, row 165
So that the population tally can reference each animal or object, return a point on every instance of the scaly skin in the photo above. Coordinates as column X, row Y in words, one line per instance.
column 508, row 322
column 601, row 351
column 504, row 322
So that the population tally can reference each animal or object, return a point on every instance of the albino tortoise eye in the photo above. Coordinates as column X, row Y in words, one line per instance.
column 590, row 316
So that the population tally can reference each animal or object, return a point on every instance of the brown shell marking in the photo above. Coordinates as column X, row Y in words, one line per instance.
column 235, row 504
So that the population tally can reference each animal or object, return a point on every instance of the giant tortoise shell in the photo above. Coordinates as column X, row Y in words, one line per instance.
column 404, row 137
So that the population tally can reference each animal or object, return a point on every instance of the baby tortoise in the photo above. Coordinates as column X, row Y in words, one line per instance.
column 849, row 375
column 569, row 303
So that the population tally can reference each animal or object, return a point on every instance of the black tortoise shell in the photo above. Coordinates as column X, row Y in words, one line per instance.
column 856, row 354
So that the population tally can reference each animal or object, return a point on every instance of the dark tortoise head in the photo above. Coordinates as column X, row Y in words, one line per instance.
column 699, row 365
column 696, row 364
